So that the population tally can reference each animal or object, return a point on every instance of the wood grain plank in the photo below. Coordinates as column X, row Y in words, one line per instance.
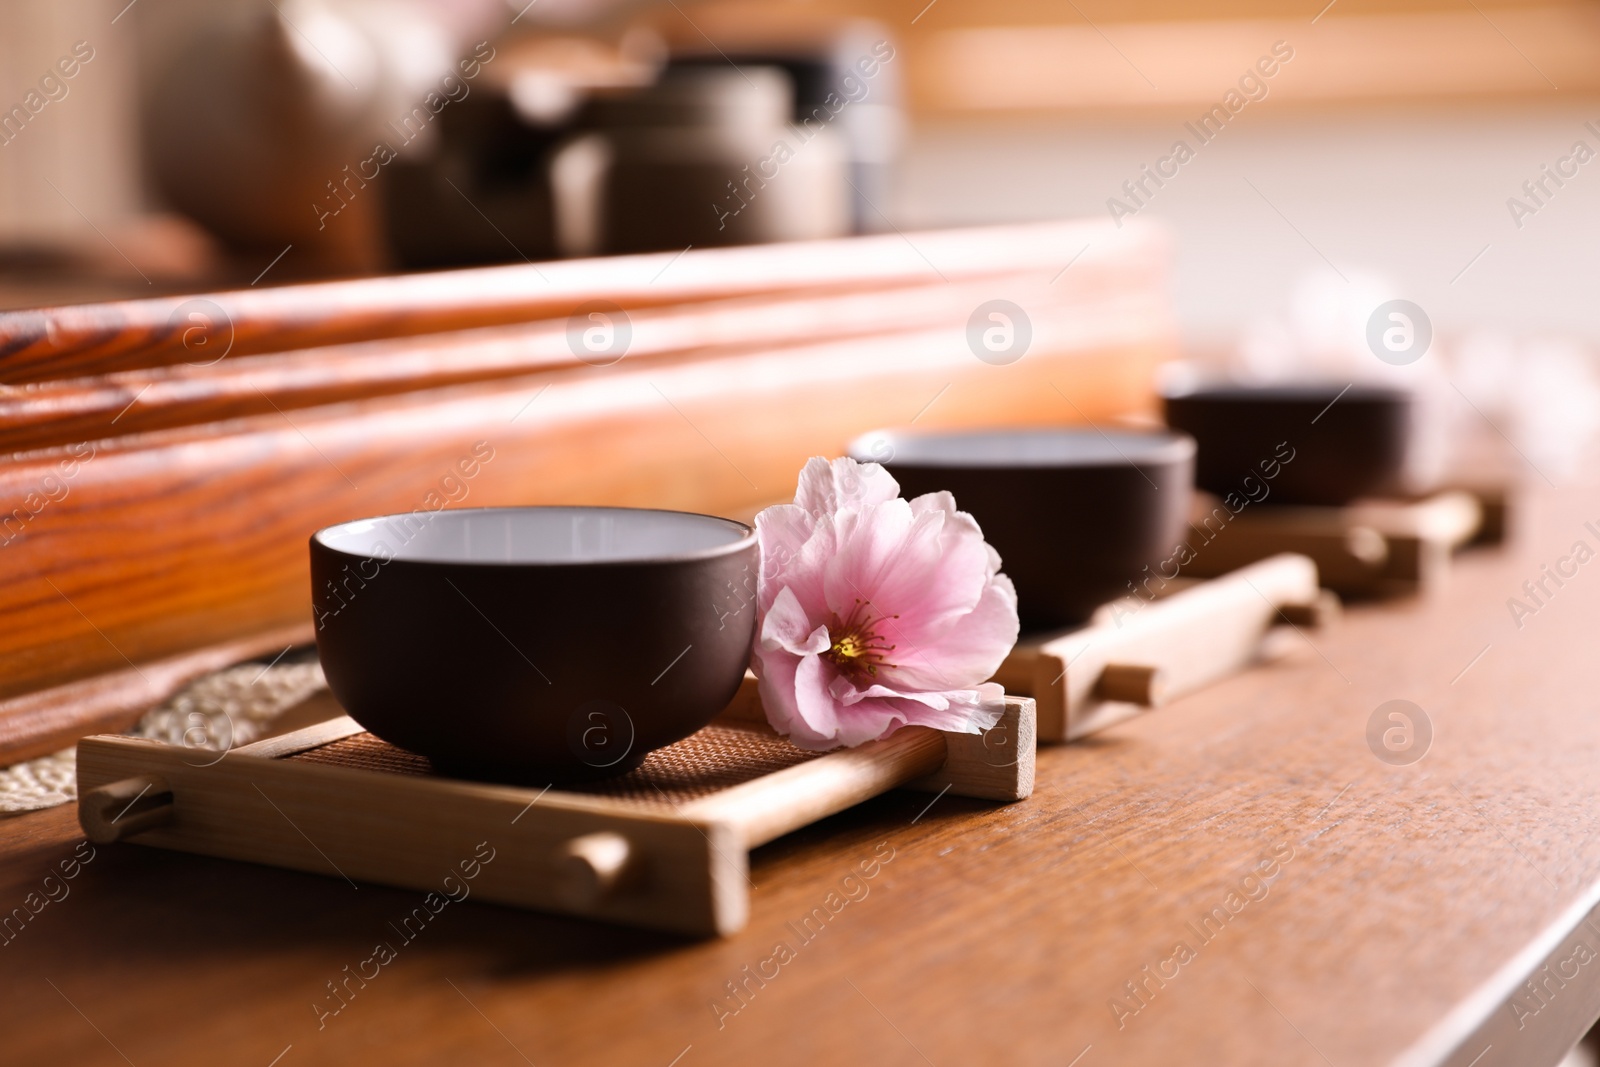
column 68, row 411
column 76, row 409
column 49, row 343
column 210, row 527
column 1416, row 901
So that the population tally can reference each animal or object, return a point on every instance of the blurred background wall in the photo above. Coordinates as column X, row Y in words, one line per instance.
column 1392, row 141
column 85, row 143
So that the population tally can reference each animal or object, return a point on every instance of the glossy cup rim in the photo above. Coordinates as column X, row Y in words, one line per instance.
column 1303, row 392
column 1155, row 445
column 746, row 538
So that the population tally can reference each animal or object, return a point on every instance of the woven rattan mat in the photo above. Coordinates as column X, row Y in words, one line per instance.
column 712, row 760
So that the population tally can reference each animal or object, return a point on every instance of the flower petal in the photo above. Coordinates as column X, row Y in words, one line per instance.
column 967, row 711
column 788, row 627
column 943, row 501
column 827, row 488
column 817, row 726
column 969, row 651
column 775, row 670
column 848, row 694
column 920, row 573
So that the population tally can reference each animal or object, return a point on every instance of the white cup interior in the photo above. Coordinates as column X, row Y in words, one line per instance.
column 535, row 535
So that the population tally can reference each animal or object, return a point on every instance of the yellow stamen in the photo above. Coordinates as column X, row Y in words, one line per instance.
column 857, row 649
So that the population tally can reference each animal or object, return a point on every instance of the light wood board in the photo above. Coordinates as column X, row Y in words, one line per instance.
column 1368, row 548
column 1138, row 654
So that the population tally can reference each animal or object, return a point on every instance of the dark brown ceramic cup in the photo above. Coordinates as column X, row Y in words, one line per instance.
column 1075, row 514
column 534, row 644
column 1299, row 443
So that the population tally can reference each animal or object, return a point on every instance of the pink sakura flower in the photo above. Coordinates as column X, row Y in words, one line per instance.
column 876, row 613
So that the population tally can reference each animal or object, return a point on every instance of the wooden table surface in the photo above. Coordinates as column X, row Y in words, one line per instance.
column 1397, row 909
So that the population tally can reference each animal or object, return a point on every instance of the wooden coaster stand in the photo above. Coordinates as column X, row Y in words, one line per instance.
column 665, row 846
column 1135, row 655
column 1370, row 548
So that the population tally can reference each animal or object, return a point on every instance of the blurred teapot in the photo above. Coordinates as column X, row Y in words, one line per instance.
column 706, row 156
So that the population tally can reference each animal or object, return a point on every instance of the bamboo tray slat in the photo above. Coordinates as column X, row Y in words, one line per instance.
column 664, row 846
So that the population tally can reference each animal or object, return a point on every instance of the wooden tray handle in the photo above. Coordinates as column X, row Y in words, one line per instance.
column 1132, row 683
column 594, row 866
column 1322, row 611
column 123, row 808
